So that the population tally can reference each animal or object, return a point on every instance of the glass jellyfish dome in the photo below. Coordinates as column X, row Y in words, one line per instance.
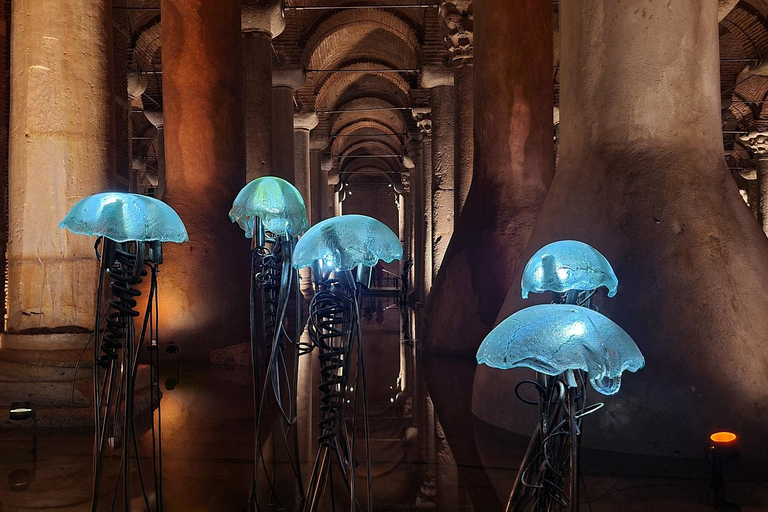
column 343, row 243
column 275, row 202
column 553, row 338
column 568, row 265
column 125, row 217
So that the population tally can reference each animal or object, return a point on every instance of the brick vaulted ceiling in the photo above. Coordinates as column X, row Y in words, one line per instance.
column 343, row 45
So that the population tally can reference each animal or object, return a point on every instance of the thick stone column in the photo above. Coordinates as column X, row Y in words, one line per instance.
column 513, row 168
column 322, row 208
column 204, row 287
column 261, row 22
column 302, row 125
column 284, row 83
column 758, row 142
column 456, row 16
column 440, row 81
column 156, row 118
column 61, row 150
column 656, row 199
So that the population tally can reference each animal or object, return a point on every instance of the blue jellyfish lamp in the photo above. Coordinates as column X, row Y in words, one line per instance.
column 131, row 229
column 341, row 251
column 568, row 266
column 565, row 343
column 271, row 211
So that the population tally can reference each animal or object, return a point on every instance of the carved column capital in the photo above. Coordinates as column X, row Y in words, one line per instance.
column 757, row 142
column 292, row 78
column 318, row 140
column 456, row 19
column 137, row 84
column 423, row 118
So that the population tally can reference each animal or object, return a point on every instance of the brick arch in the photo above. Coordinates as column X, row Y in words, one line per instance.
column 147, row 44
column 394, row 119
column 381, row 131
column 359, row 35
column 339, row 88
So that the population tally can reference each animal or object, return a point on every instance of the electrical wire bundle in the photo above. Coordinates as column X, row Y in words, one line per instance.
column 275, row 394
column 335, row 330
column 115, row 366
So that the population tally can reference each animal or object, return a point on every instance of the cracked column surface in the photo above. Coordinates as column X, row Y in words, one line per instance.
column 61, row 150
column 652, row 194
column 204, row 284
column 513, row 167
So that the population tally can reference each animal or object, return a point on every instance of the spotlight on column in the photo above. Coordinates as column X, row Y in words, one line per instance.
column 724, row 447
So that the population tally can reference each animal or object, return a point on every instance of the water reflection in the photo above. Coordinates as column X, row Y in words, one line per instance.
column 428, row 451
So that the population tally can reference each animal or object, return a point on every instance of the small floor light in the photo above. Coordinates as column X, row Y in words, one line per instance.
column 724, row 446
column 20, row 479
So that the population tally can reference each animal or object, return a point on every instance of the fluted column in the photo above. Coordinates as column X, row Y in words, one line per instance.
column 261, row 21
column 284, row 84
column 156, row 118
column 758, row 142
column 204, row 292
column 302, row 125
column 456, row 16
column 655, row 197
column 62, row 149
column 440, row 83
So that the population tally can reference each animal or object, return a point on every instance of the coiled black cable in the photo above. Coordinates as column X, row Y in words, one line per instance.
column 329, row 326
column 269, row 279
column 125, row 272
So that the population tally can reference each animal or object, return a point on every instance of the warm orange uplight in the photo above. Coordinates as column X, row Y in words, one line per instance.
column 723, row 438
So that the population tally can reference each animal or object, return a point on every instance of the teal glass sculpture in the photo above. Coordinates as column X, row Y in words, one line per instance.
column 275, row 202
column 125, row 217
column 553, row 338
column 343, row 243
column 568, row 265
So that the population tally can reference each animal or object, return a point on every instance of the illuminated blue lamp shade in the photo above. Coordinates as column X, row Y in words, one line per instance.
column 275, row 202
column 343, row 243
column 553, row 338
column 125, row 217
column 568, row 265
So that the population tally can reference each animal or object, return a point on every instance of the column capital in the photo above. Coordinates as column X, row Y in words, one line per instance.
column 262, row 16
column 422, row 116
column 326, row 164
column 305, row 121
column 757, row 142
column 155, row 117
column 318, row 140
column 456, row 18
column 137, row 84
column 292, row 78
column 436, row 76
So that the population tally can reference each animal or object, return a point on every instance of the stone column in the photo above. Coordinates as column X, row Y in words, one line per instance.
column 302, row 125
column 758, row 142
column 156, row 118
column 514, row 165
column 62, row 149
column 261, row 21
column 318, row 141
column 440, row 81
column 330, row 196
column 204, row 287
column 656, row 198
column 423, row 217
column 284, row 84
column 136, row 84
column 456, row 16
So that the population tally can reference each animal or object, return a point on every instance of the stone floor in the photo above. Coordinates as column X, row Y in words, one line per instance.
column 207, row 452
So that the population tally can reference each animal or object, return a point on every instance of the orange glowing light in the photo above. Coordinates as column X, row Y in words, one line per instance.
column 723, row 437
